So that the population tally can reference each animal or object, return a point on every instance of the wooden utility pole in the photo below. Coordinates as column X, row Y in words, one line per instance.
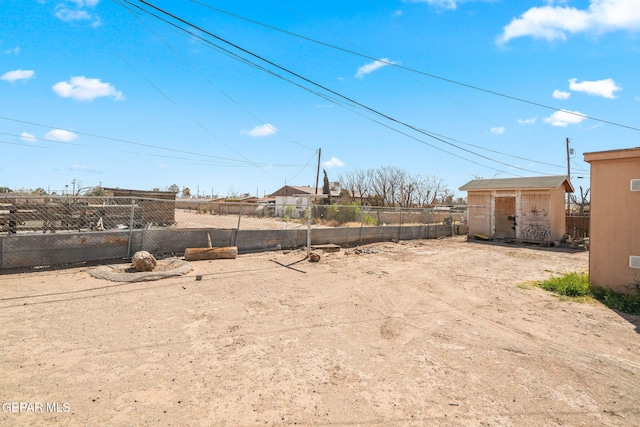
column 318, row 170
column 569, row 178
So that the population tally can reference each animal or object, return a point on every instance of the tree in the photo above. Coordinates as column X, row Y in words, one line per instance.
column 5, row 190
column 393, row 186
column 583, row 202
column 96, row 191
column 39, row 191
column 186, row 192
column 326, row 188
column 174, row 188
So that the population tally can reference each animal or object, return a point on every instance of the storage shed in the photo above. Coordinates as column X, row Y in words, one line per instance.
column 518, row 209
column 614, row 245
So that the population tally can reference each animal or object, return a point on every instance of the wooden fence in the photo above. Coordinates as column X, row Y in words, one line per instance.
column 577, row 227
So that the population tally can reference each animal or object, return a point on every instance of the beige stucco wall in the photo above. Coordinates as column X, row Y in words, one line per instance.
column 615, row 224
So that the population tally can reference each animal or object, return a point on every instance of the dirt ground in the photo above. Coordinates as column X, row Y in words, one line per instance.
column 427, row 332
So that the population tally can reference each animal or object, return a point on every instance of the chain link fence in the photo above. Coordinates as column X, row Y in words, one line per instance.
column 49, row 230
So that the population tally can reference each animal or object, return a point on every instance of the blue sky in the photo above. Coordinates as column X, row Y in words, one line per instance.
column 100, row 92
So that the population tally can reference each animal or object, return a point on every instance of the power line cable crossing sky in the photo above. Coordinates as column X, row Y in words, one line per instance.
column 237, row 95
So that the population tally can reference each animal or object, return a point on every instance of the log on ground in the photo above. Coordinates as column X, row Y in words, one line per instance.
column 197, row 254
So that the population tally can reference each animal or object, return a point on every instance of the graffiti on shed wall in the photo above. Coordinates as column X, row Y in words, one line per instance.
column 535, row 224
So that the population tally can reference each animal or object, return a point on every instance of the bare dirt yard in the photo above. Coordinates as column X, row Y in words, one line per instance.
column 427, row 332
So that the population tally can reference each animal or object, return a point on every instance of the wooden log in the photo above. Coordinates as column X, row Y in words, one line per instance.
column 197, row 254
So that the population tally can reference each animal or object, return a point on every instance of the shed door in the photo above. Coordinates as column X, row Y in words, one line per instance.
column 505, row 217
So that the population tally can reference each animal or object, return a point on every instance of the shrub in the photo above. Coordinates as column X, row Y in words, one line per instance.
column 339, row 214
column 369, row 220
column 621, row 302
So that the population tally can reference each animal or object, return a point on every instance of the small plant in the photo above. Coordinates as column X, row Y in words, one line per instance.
column 621, row 302
column 571, row 285
column 577, row 286
column 287, row 213
column 369, row 220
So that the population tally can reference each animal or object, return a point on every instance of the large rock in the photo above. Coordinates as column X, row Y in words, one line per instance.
column 143, row 261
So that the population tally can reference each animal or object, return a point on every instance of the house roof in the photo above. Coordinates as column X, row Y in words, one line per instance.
column 529, row 183
column 294, row 190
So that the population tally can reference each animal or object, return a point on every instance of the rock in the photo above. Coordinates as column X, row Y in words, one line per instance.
column 314, row 257
column 143, row 261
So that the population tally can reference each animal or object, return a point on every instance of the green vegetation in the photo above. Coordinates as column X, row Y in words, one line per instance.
column 288, row 212
column 571, row 285
column 621, row 302
column 339, row 214
column 369, row 220
column 577, row 286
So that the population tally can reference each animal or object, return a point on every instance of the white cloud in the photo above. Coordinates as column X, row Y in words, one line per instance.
column 67, row 15
column 498, row 130
column 261, row 131
column 14, row 51
column 564, row 118
column 82, row 88
column 76, row 10
column 527, row 121
column 604, row 88
column 334, row 162
column 554, row 22
column 444, row 4
column 27, row 137
column 558, row 94
column 372, row 66
column 12, row 76
column 85, row 3
column 60, row 135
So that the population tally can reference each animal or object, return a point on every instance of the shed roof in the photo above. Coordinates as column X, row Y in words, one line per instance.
column 527, row 183
column 623, row 153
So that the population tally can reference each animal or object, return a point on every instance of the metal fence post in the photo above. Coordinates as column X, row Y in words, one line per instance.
column 238, row 227
column 130, row 230
column 361, row 222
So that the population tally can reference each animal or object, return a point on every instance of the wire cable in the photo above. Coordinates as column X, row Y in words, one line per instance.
column 413, row 70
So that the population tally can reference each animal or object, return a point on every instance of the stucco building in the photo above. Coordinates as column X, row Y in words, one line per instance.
column 614, row 246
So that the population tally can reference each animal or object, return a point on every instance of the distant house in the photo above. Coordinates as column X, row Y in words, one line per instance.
column 291, row 200
column 614, row 245
column 518, row 209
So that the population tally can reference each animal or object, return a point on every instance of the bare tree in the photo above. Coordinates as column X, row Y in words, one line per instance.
column 583, row 202
column 393, row 186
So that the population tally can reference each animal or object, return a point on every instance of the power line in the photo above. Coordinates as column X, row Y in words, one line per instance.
column 309, row 81
column 225, row 94
column 413, row 70
column 245, row 162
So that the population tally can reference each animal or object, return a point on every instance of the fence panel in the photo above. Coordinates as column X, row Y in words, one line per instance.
column 577, row 226
column 50, row 230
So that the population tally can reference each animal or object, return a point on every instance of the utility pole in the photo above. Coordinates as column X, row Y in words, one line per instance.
column 318, row 171
column 568, row 177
